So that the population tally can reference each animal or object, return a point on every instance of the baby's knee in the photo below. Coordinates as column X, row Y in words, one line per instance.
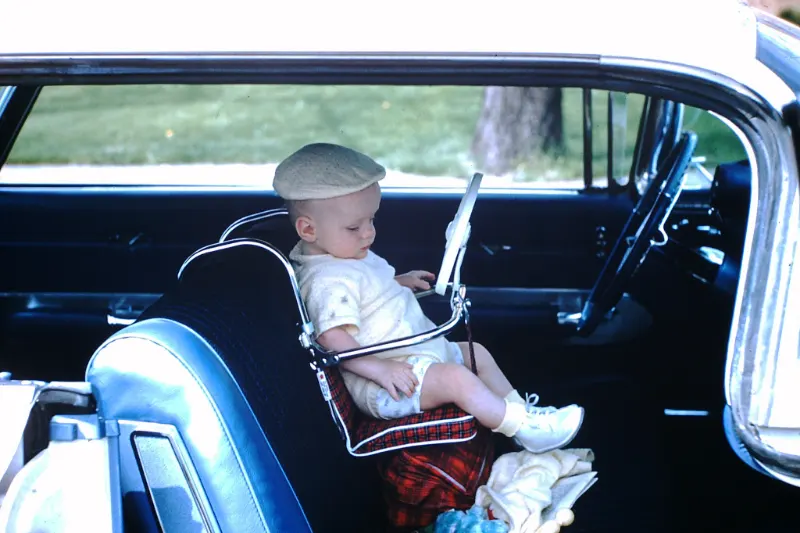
column 459, row 379
column 480, row 351
column 482, row 355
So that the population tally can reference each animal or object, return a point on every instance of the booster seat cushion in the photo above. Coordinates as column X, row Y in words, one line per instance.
column 365, row 435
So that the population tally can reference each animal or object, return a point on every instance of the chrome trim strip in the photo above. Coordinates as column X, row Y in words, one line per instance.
column 780, row 93
column 182, row 455
column 77, row 189
column 746, row 254
column 81, row 295
column 759, row 289
column 685, row 412
column 133, row 68
column 211, row 248
column 116, row 321
column 5, row 97
column 778, row 474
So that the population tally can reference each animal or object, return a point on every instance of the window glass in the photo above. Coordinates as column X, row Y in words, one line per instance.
column 236, row 134
column 627, row 112
column 716, row 143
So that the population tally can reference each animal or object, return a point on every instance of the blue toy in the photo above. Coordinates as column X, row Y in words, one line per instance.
column 473, row 521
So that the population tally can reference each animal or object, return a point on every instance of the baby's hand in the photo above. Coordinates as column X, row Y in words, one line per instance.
column 415, row 280
column 396, row 377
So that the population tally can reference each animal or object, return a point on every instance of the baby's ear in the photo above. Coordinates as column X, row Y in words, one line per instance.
column 304, row 226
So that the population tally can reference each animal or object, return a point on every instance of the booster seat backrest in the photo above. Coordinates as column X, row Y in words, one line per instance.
column 236, row 265
column 272, row 226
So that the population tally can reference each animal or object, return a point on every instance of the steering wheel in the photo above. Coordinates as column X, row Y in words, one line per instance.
column 636, row 238
column 457, row 235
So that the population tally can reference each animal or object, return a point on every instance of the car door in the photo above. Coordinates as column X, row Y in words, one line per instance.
column 762, row 422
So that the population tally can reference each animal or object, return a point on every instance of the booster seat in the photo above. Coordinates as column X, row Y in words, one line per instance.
column 363, row 435
column 437, row 462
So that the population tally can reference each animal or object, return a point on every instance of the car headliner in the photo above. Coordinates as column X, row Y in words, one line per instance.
column 716, row 36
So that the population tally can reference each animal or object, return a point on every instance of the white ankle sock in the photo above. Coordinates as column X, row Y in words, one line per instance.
column 514, row 396
column 512, row 420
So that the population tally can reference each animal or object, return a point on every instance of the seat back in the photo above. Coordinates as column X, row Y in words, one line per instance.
column 216, row 369
column 731, row 199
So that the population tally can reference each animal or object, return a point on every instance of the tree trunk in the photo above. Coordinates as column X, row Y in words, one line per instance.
column 515, row 124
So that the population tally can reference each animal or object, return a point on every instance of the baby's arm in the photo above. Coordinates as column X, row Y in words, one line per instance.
column 415, row 280
column 394, row 376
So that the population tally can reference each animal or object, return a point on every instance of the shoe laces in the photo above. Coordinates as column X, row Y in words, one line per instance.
column 539, row 416
column 530, row 405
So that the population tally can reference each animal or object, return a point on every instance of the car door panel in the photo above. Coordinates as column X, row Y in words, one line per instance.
column 531, row 240
column 87, row 252
column 134, row 241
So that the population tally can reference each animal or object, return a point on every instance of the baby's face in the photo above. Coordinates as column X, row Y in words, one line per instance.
column 343, row 226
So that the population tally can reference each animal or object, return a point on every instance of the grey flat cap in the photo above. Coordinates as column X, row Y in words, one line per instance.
column 319, row 171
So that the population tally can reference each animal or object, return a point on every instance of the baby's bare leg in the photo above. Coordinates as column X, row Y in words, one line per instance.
column 488, row 370
column 453, row 383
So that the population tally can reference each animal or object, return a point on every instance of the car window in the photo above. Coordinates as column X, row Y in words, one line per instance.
column 615, row 120
column 716, row 143
column 225, row 135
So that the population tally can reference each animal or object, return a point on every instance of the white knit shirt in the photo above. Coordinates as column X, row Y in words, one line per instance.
column 363, row 296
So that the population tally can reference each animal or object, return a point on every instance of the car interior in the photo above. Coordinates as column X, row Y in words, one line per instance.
column 616, row 293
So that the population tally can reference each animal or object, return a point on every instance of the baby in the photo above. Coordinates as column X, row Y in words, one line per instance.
column 354, row 299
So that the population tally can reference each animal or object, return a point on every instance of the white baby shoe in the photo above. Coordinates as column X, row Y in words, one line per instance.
column 547, row 428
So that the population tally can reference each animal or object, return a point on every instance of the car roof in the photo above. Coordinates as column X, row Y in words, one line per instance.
column 718, row 36
column 653, row 29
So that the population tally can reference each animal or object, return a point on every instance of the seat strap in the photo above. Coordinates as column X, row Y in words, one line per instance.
column 473, row 364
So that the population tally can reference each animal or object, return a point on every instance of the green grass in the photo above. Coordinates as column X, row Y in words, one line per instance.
column 424, row 130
